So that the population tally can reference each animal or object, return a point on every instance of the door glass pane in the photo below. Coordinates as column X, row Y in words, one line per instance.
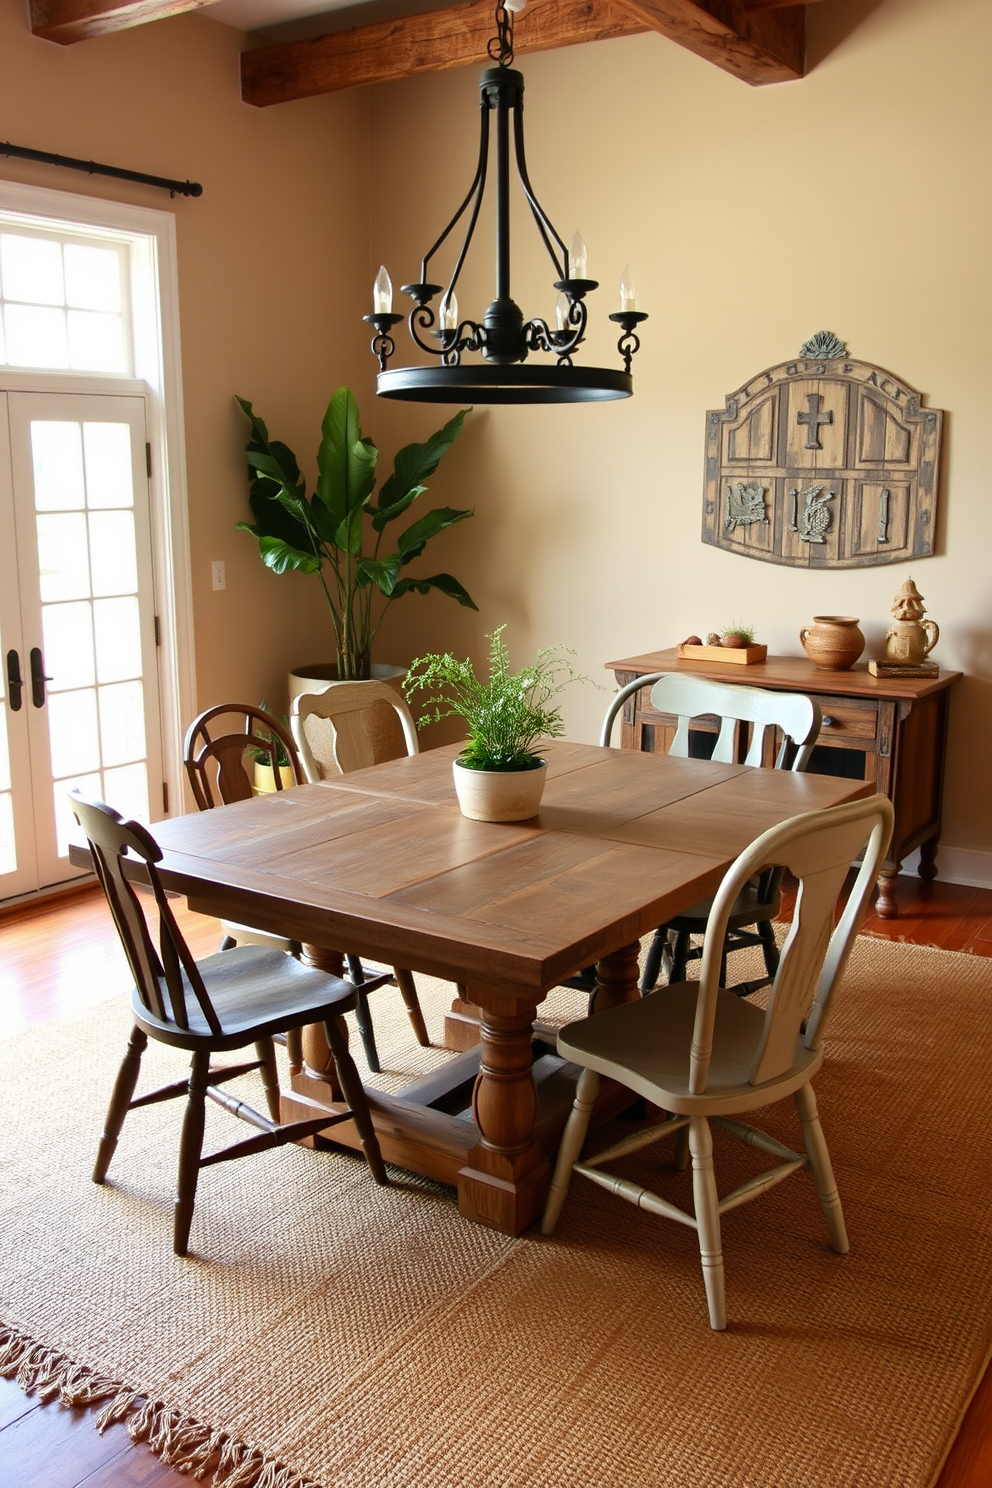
column 118, row 639
column 127, row 790
column 67, row 829
column 57, row 457
column 62, row 557
column 72, row 732
column 122, row 722
column 112, row 554
column 36, row 336
column 92, row 277
column 32, row 269
column 68, row 634
column 108, row 465
column 8, row 855
column 96, row 342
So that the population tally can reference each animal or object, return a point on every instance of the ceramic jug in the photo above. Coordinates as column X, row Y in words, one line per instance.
column 833, row 642
column 909, row 641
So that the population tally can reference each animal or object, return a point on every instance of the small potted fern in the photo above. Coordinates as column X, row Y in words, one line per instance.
column 499, row 776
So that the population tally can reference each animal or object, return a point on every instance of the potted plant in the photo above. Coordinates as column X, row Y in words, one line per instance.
column 337, row 533
column 499, row 776
column 263, row 775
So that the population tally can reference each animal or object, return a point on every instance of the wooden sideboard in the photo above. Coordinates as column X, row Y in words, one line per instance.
column 890, row 730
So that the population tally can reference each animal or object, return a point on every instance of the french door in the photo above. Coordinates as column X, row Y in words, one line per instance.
column 79, row 691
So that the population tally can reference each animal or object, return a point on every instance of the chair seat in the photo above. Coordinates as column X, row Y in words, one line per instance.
column 255, row 992
column 646, row 1046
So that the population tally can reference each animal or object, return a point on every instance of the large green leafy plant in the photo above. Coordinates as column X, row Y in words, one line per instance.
column 506, row 715
column 337, row 533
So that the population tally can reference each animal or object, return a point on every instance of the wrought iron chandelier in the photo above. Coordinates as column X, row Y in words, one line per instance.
column 504, row 338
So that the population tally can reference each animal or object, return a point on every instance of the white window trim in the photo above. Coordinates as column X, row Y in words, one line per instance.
column 158, row 363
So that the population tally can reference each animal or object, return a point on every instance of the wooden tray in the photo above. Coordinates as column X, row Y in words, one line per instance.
column 736, row 655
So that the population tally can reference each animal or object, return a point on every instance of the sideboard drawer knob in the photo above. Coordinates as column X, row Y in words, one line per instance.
column 828, row 721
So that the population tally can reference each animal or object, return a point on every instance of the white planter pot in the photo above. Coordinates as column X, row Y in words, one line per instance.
column 382, row 724
column 499, row 795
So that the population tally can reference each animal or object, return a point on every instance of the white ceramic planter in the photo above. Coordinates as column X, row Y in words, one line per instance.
column 499, row 795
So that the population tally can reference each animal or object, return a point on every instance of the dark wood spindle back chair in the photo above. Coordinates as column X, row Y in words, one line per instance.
column 227, row 1001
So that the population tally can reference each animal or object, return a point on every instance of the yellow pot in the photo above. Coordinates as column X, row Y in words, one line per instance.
column 264, row 781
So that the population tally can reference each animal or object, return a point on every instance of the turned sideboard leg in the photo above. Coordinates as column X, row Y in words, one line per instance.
column 885, row 905
column 505, row 1180
column 928, row 859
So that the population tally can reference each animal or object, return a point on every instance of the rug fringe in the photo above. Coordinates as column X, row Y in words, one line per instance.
column 180, row 1441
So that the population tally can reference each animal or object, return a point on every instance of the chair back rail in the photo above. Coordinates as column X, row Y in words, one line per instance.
column 164, row 977
column 215, row 747
column 796, row 716
column 818, row 848
column 342, row 744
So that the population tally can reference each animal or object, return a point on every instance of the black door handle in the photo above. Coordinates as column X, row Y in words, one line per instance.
column 15, row 684
column 38, row 678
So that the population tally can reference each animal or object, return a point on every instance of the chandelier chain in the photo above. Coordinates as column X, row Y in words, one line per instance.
column 500, row 46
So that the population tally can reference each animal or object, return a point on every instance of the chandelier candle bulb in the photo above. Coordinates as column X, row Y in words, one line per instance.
column 382, row 292
column 628, row 294
column 577, row 257
column 449, row 312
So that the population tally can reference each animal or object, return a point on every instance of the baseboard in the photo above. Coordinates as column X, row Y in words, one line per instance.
column 958, row 865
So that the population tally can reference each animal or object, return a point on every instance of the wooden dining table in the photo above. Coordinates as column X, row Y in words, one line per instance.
column 381, row 863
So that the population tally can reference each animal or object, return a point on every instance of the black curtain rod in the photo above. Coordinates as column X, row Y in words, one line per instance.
column 174, row 188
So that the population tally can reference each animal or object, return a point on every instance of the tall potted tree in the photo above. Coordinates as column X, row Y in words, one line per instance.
column 338, row 532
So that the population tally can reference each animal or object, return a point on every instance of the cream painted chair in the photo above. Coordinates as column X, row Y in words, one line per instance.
column 331, row 730
column 700, row 1052
column 796, row 719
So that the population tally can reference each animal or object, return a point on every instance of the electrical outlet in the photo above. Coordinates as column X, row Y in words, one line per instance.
column 218, row 574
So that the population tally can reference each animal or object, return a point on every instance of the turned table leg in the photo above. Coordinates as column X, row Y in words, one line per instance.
column 317, row 1076
column 616, row 978
column 506, row 1177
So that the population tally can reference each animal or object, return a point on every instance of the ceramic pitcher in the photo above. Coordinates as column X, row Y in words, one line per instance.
column 833, row 642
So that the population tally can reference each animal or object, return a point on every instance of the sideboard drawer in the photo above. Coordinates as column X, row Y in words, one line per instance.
column 847, row 718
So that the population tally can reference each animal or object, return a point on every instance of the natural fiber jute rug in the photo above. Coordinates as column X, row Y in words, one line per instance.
column 328, row 1331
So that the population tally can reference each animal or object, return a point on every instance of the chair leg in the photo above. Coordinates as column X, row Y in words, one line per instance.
column 680, row 955
column 227, row 943
column 408, row 992
column 823, row 1173
column 294, row 1050
column 766, row 934
column 571, row 1145
column 190, row 1148
column 652, row 961
column 120, row 1101
column 270, row 1076
column 707, row 1219
column 363, row 1014
column 354, row 1093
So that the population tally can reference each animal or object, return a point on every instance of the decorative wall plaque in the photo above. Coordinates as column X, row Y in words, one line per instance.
column 823, row 462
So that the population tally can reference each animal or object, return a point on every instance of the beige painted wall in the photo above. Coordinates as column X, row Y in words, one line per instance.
column 855, row 201
column 270, row 262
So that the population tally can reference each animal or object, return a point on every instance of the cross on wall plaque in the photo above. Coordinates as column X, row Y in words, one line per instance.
column 845, row 430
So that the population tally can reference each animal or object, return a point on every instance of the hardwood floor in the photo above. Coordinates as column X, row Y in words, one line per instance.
column 63, row 957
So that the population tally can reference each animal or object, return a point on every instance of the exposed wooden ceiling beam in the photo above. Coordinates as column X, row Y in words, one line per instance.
column 758, row 46
column 75, row 20
column 430, row 42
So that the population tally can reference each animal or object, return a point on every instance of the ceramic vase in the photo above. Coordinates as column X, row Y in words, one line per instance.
column 499, row 795
column 833, row 642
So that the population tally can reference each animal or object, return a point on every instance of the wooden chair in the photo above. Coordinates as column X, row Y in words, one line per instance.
column 234, row 998
column 332, row 736
column 705, row 1055
column 797, row 718
column 214, row 755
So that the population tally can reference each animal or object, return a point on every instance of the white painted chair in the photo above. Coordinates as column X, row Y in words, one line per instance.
column 705, row 1055
column 332, row 736
column 797, row 719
